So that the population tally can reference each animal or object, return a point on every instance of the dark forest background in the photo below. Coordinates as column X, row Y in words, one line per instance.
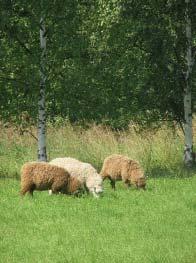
column 109, row 62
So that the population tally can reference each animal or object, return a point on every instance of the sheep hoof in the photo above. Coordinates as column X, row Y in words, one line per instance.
column 95, row 195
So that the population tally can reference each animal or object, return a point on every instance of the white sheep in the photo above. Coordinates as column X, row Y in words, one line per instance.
column 84, row 172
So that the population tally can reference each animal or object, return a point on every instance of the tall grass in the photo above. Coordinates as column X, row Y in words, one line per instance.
column 160, row 152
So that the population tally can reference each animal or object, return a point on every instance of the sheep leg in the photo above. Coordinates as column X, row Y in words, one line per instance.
column 86, row 189
column 113, row 184
column 32, row 188
column 143, row 187
column 58, row 186
column 104, row 177
column 31, row 192
column 95, row 195
column 127, row 183
column 27, row 188
column 54, row 190
column 23, row 192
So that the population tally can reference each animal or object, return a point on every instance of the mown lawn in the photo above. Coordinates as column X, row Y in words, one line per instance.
column 155, row 226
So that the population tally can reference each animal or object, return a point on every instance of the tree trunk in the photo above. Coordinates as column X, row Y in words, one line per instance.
column 188, row 151
column 42, row 156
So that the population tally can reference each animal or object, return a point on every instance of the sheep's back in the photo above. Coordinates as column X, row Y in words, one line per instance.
column 41, row 172
column 114, row 165
column 76, row 168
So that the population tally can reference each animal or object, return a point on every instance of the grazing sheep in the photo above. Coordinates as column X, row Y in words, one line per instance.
column 84, row 172
column 43, row 176
column 119, row 167
column 74, row 187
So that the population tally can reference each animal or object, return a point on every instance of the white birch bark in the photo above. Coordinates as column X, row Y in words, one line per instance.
column 188, row 151
column 41, row 103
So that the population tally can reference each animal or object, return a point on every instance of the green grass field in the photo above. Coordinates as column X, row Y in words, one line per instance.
column 153, row 226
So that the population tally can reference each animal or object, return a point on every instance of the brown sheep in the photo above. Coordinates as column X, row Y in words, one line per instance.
column 119, row 167
column 43, row 176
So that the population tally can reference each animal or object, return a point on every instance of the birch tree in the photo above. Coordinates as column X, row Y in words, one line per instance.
column 188, row 151
column 42, row 156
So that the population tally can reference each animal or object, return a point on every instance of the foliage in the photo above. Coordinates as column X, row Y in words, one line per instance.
column 107, row 61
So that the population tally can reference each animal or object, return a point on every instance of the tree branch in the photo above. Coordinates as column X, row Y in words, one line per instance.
column 12, row 34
